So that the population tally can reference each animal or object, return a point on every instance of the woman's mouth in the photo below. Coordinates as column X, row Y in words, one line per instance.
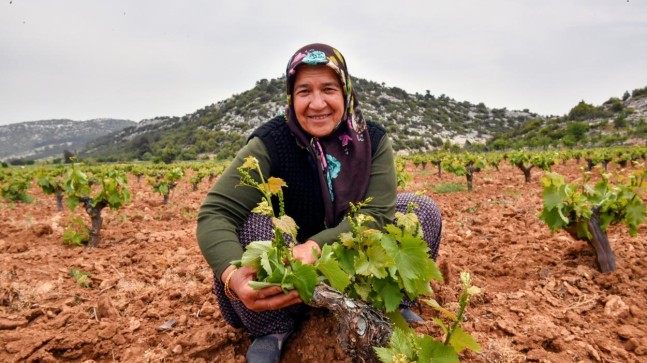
column 319, row 117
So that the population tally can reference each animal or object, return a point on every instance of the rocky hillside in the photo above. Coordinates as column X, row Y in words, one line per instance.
column 416, row 122
column 618, row 121
column 42, row 139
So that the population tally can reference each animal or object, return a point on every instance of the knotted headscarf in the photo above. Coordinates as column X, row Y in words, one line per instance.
column 343, row 158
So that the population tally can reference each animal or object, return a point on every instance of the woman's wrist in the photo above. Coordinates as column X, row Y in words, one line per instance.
column 226, row 272
column 229, row 272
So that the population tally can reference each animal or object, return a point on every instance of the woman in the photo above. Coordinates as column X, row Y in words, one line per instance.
column 329, row 156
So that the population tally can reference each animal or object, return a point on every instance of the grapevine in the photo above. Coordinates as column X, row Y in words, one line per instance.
column 585, row 210
column 526, row 161
column 13, row 187
column 466, row 164
column 52, row 183
column 113, row 193
column 165, row 181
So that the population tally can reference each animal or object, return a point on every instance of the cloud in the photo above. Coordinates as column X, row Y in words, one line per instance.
column 84, row 59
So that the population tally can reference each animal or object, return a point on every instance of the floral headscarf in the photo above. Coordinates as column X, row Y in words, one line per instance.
column 344, row 156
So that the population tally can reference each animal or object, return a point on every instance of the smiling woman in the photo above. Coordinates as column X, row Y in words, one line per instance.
column 329, row 157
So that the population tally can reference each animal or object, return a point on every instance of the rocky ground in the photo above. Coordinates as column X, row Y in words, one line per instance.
column 150, row 299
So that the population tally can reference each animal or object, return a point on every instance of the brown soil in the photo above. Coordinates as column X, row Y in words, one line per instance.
column 542, row 298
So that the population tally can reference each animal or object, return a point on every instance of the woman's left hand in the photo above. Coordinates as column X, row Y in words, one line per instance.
column 305, row 253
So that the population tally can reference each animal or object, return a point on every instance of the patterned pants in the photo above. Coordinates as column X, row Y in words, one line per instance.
column 259, row 228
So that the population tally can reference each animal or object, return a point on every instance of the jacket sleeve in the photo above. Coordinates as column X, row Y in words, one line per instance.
column 226, row 207
column 382, row 187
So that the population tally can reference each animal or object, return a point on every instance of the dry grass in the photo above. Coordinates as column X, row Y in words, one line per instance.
column 501, row 351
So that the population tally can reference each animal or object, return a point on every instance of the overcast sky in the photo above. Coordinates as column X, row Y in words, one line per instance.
column 84, row 59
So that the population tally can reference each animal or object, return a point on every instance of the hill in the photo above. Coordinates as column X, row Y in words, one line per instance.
column 47, row 138
column 618, row 121
column 416, row 122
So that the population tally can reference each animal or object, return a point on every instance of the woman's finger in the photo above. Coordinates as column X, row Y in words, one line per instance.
column 275, row 302
column 281, row 301
column 268, row 292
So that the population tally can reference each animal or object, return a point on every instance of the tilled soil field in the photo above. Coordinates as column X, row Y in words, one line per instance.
column 151, row 300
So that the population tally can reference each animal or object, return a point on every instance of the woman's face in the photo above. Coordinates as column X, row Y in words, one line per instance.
column 318, row 99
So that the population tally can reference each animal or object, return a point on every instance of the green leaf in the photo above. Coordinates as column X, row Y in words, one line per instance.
column 448, row 313
column 72, row 202
column 265, row 263
column 347, row 239
column 304, row 278
column 408, row 221
column 275, row 261
column 164, row 189
column 554, row 219
column 385, row 354
column 635, row 215
column 410, row 259
column 346, row 258
column 82, row 278
column 606, row 219
column 421, row 286
column 374, row 262
column 252, row 255
column 432, row 272
column 461, row 340
column 425, row 345
column 392, row 231
column 390, row 292
column 401, row 347
column 277, row 268
column 363, row 265
column 437, row 352
column 553, row 197
column 285, row 224
column 330, row 268
column 257, row 285
column 362, row 290
column 76, row 233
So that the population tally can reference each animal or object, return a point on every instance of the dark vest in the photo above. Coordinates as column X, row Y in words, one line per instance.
column 293, row 163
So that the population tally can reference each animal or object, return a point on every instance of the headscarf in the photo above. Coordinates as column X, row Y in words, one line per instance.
column 343, row 158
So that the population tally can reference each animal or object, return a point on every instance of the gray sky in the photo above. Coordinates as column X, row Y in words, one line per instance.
column 84, row 59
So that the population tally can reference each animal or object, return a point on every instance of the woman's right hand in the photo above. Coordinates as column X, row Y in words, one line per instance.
column 269, row 298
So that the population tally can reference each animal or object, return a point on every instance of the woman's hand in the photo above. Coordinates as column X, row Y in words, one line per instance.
column 305, row 253
column 269, row 298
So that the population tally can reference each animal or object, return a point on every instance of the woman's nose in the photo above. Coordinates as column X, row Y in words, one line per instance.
column 318, row 101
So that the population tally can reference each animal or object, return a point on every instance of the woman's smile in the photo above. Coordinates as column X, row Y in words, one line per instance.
column 319, row 117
